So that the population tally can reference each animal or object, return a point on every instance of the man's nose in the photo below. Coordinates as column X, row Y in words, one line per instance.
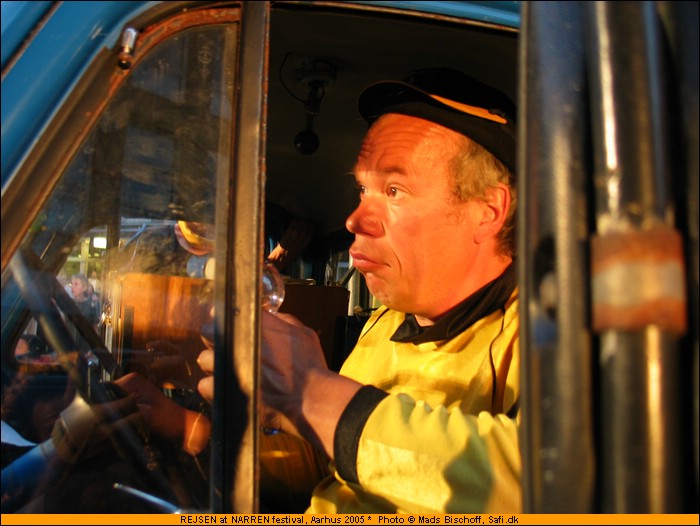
column 365, row 220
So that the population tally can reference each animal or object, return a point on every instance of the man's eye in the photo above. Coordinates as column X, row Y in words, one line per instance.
column 392, row 191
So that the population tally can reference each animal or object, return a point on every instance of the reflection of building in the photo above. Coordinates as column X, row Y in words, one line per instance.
column 89, row 253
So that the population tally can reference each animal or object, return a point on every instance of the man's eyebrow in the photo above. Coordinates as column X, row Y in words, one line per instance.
column 393, row 169
column 385, row 170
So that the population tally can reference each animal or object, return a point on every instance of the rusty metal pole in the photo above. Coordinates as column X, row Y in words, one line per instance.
column 637, row 263
column 557, row 431
column 679, row 20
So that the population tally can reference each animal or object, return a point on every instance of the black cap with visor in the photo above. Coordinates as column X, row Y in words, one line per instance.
column 452, row 99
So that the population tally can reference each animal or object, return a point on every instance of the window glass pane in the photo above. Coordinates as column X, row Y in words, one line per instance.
column 116, row 278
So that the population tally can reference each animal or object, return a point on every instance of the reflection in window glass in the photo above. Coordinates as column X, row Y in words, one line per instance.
column 126, row 239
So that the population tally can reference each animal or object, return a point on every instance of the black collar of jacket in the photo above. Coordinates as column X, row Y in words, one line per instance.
column 486, row 300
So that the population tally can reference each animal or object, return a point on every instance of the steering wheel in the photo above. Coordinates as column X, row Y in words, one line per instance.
column 47, row 300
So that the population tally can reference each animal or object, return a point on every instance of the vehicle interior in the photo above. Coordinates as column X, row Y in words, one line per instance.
column 150, row 170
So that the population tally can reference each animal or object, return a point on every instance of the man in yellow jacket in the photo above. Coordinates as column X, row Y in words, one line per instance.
column 423, row 416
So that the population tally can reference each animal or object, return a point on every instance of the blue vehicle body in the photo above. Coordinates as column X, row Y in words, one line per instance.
column 67, row 41
column 43, row 73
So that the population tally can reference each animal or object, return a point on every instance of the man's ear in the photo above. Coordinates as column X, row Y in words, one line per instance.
column 494, row 210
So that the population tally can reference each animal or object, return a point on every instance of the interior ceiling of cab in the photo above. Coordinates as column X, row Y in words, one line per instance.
column 362, row 49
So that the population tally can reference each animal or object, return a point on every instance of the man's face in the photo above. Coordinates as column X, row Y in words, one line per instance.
column 413, row 238
column 77, row 287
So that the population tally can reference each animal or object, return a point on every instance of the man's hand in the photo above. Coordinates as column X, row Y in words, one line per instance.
column 297, row 383
column 81, row 425
column 300, row 395
column 162, row 415
column 205, row 360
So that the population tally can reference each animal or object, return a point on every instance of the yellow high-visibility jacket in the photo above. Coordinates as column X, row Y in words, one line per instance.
column 435, row 429
column 445, row 438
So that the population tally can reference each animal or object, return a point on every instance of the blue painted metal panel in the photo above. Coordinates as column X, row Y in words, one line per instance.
column 41, row 78
column 501, row 13
column 17, row 21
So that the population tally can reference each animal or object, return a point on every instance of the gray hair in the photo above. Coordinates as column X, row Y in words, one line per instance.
column 475, row 170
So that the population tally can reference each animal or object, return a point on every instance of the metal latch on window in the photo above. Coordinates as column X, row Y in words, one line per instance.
column 126, row 55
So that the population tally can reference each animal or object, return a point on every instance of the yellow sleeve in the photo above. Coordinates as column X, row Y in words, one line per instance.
column 420, row 458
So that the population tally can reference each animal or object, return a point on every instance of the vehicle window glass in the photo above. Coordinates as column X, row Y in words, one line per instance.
column 115, row 277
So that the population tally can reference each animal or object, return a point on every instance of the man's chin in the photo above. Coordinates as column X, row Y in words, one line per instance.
column 378, row 290
column 382, row 294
